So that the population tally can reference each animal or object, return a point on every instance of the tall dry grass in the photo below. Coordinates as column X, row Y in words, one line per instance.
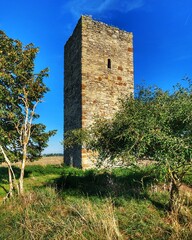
column 94, row 205
column 43, row 215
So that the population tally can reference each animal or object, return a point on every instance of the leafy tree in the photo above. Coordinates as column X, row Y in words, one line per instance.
column 155, row 125
column 20, row 92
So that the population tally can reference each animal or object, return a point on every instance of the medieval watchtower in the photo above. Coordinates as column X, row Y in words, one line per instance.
column 98, row 71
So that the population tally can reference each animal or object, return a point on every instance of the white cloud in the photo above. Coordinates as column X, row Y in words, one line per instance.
column 187, row 19
column 183, row 57
column 129, row 5
column 79, row 7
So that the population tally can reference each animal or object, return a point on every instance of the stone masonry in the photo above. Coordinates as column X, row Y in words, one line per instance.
column 98, row 72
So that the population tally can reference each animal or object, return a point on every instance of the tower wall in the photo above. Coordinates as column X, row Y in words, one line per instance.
column 103, row 56
column 72, row 92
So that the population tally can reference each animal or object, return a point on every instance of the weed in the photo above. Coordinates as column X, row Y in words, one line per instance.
column 67, row 203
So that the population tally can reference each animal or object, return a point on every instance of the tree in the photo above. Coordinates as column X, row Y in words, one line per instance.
column 155, row 125
column 20, row 92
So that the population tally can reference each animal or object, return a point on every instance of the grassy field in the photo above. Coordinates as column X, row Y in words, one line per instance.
column 53, row 160
column 66, row 203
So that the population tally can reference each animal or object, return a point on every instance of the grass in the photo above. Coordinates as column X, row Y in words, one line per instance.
column 66, row 203
column 35, row 176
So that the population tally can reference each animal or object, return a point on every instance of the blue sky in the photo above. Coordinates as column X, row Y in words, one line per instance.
column 162, row 41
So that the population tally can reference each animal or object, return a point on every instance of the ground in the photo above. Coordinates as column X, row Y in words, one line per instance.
column 53, row 160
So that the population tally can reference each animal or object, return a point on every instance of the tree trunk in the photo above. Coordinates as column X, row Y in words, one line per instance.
column 21, row 188
column 174, row 202
column 12, row 179
column 10, row 183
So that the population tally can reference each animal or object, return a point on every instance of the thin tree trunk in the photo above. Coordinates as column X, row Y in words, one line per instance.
column 21, row 188
column 12, row 179
column 10, row 183
column 174, row 202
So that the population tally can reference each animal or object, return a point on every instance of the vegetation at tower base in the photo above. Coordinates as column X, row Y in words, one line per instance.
column 156, row 125
column 20, row 91
column 70, row 203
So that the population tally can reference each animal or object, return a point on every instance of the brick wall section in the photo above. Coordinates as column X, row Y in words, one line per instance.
column 104, row 71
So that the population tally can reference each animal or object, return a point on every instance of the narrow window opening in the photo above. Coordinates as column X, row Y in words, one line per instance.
column 109, row 63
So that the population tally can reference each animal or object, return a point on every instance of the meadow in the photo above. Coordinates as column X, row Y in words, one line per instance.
column 66, row 203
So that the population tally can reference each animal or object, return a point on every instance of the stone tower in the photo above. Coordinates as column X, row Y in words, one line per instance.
column 98, row 71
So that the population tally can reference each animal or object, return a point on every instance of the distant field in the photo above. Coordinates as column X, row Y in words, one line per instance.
column 53, row 160
column 48, row 160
